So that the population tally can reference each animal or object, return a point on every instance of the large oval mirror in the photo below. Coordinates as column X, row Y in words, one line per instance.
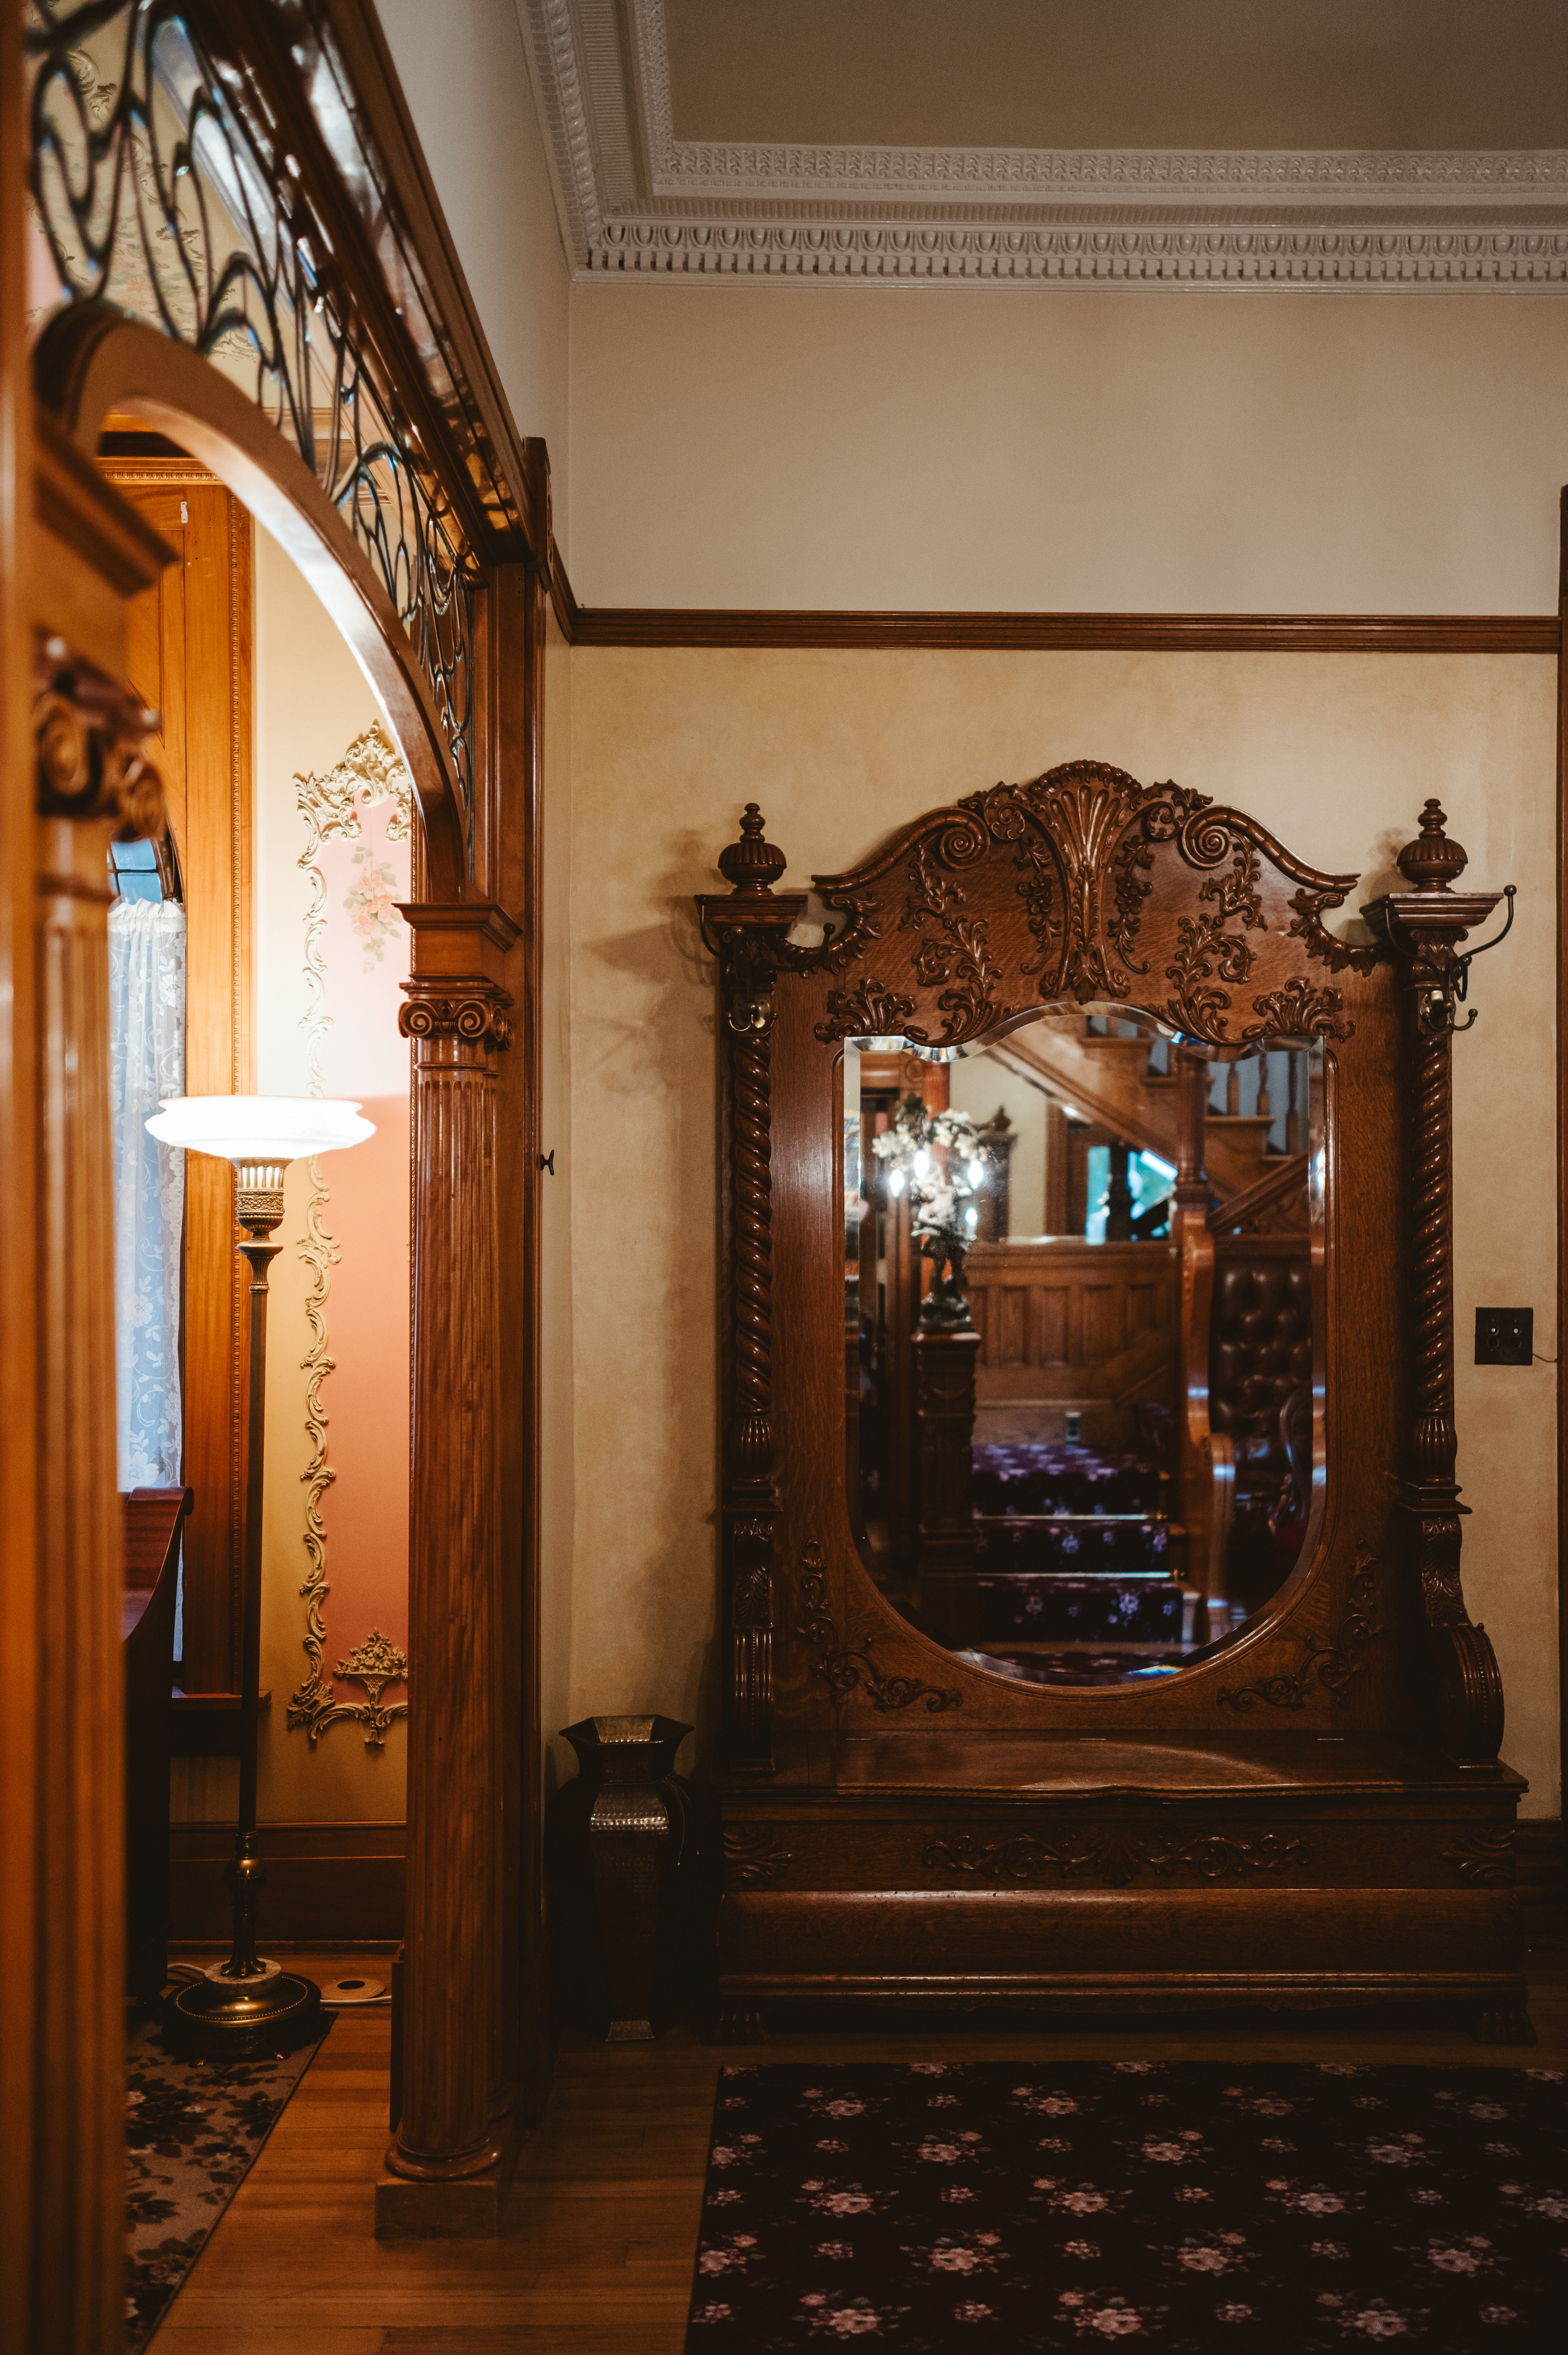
column 1084, row 1400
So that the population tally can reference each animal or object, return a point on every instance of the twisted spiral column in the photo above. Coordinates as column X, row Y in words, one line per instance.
column 1434, row 1443
column 753, row 1431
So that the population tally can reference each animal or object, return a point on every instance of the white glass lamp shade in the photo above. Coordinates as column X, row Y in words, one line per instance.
column 250, row 1129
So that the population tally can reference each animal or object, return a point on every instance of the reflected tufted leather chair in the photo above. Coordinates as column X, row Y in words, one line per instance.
column 1260, row 1352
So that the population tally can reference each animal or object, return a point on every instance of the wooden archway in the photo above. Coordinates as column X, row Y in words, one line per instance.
column 473, row 1721
column 92, row 362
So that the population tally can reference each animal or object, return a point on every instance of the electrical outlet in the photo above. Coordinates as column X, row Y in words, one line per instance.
column 1505, row 1336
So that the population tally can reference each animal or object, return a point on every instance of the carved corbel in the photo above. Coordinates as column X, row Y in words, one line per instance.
column 1423, row 929
column 746, row 930
column 92, row 763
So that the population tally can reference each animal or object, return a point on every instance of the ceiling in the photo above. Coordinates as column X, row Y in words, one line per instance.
column 1318, row 143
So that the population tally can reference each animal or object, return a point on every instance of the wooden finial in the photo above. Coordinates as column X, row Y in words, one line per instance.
column 1431, row 862
column 753, row 864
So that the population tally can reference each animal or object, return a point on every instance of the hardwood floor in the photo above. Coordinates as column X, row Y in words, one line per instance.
column 601, row 2225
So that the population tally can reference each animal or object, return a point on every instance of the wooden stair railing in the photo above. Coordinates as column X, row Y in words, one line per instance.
column 1108, row 1079
column 1273, row 1190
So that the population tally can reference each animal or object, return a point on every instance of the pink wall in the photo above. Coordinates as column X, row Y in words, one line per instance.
column 364, row 954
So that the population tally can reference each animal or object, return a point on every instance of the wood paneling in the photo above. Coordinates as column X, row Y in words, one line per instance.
column 326, row 1883
column 1401, row 634
column 1562, row 1012
column 24, row 1804
column 1069, row 1324
column 190, row 655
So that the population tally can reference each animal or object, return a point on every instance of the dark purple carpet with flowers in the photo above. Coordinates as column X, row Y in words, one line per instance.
column 1001, row 2207
column 193, row 2130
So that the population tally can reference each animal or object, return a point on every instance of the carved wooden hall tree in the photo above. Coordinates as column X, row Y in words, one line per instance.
column 251, row 263
column 1313, row 1810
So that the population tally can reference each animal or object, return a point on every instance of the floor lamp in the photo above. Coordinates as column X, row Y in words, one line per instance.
column 246, row 2005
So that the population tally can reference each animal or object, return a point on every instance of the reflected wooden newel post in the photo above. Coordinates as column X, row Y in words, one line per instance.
column 1424, row 928
column 93, row 783
column 947, row 1350
column 1204, row 1467
column 746, row 930
column 452, row 2134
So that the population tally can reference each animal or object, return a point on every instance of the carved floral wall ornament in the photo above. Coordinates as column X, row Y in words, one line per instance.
column 371, row 771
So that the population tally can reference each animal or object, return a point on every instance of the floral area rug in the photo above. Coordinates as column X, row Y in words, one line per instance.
column 193, row 2130
column 1001, row 2207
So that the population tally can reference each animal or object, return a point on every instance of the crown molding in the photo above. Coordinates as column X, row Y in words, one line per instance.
column 637, row 202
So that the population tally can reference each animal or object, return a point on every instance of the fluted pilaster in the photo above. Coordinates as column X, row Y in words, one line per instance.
column 457, row 1022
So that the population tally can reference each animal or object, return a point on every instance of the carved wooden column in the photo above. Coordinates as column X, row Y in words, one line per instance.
column 1424, row 928
column 945, row 1362
column 746, row 930
column 450, row 2135
column 93, row 784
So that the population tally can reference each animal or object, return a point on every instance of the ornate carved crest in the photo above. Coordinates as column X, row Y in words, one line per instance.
column 1078, row 885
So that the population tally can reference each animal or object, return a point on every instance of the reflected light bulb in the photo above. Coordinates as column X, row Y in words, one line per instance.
column 922, row 1163
column 895, row 1183
column 971, row 1216
column 976, row 1171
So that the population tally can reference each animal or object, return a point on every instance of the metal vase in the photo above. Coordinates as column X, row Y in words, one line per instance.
column 626, row 1850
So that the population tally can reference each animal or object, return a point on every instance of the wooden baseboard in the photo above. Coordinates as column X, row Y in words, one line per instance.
column 327, row 1884
column 1542, row 1869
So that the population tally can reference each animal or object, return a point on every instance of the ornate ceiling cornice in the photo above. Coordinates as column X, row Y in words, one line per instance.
column 636, row 201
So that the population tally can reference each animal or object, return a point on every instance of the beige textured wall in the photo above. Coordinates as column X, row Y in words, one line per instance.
column 557, row 1494
column 1335, row 753
column 1018, row 450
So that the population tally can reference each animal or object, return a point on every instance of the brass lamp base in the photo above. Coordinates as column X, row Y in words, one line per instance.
column 237, row 2020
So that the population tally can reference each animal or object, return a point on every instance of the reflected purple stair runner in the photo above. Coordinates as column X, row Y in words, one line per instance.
column 1015, row 2206
column 1070, row 1579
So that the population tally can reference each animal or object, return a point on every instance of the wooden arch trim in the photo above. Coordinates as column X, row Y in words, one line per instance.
column 90, row 362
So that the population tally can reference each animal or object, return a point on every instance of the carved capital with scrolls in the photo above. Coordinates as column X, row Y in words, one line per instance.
column 477, row 1018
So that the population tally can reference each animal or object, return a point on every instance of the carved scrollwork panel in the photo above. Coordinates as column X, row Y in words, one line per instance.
column 753, row 1858
column 846, row 1668
column 1117, row 1857
column 1329, row 1666
column 1483, row 1858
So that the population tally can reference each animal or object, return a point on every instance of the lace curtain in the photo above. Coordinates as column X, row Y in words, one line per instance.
column 146, row 1061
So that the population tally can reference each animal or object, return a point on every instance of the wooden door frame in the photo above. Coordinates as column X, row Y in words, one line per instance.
column 211, row 816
